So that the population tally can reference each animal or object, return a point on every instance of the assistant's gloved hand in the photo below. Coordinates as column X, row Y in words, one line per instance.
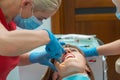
column 54, row 47
column 42, row 58
column 62, row 43
column 89, row 51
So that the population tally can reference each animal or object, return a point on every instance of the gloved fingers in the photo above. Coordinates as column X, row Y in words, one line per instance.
column 58, row 59
column 54, row 46
column 89, row 51
column 49, row 48
column 63, row 50
column 58, row 55
column 62, row 43
column 46, row 62
column 51, row 65
column 58, row 39
column 82, row 48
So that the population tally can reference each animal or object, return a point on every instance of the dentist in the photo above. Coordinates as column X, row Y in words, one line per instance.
column 27, row 14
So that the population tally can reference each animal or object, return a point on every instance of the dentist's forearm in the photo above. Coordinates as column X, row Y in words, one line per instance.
column 14, row 43
column 24, row 60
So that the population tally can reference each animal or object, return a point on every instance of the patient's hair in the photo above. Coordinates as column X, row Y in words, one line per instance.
column 49, row 73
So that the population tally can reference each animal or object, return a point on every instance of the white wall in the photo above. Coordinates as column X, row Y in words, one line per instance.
column 46, row 24
column 14, row 74
column 32, row 72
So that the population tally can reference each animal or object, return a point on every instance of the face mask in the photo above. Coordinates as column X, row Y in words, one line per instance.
column 118, row 15
column 27, row 23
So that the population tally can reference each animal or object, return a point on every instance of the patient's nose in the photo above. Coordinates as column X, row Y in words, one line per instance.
column 67, row 51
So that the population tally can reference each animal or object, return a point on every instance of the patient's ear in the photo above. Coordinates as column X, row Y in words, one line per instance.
column 55, row 76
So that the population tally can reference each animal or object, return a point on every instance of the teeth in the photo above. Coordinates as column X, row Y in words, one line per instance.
column 68, row 55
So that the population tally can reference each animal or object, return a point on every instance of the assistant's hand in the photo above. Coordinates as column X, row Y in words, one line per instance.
column 89, row 51
column 54, row 47
column 42, row 58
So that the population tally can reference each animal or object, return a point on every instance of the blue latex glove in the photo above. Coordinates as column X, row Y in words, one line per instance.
column 61, row 42
column 54, row 47
column 41, row 57
column 89, row 51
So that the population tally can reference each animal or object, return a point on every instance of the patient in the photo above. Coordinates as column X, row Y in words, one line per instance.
column 73, row 62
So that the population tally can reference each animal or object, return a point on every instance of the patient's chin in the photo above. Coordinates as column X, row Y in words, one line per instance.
column 73, row 62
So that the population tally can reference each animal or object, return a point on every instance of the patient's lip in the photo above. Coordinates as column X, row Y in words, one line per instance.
column 66, row 56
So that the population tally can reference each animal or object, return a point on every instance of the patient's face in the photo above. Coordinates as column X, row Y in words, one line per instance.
column 73, row 54
column 70, row 60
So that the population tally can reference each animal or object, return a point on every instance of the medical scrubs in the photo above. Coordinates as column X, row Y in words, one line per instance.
column 77, row 77
column 7, row 63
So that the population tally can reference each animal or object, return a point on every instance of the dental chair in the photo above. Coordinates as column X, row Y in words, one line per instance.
column 97, row 63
